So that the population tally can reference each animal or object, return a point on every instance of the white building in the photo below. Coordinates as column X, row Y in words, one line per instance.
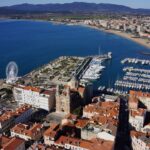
column 38, row 98
column 137, row 118
column 106, row 136
column 140, row 141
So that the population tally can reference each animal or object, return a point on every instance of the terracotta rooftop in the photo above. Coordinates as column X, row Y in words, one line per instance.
column 139, row 94
column 81, row 123
column 26, row 130
column 103, row 112
column 10, row 113
column 52, row 130
column 35, row 89
column 94, row 144
column 10, row 143
column 138, row 112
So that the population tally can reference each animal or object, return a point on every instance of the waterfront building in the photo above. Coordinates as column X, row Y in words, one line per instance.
column 26, row 132
column 38, row 98
column 10, row 117
column 137, row 118
column 11, row 143
column 140, row 141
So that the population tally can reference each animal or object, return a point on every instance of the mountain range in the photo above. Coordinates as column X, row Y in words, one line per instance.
column 75, row 7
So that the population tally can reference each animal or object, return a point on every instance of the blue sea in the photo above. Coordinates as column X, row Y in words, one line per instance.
column 34, row 43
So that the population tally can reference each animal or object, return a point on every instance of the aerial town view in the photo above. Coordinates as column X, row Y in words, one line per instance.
column 74, row 75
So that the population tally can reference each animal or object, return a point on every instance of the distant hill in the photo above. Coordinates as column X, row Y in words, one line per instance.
column 76, row 7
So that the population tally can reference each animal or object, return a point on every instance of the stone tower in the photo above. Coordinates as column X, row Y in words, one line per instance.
column 63, row 100
column 74, row 83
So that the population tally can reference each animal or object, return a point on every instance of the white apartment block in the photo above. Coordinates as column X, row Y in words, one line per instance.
column 140, row 141
column 137, row 118
column 38, row 98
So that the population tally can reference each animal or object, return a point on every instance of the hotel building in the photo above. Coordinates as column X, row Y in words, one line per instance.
column 38, row 98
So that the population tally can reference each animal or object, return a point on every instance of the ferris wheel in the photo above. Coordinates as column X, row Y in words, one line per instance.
column 11, row 72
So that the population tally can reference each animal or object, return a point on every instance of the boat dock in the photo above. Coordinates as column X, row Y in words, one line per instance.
column 132, row 85
column 94, row 69
column 136, row 61
column 134, row 78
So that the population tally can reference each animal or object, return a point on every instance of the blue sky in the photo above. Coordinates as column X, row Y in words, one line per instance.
column 131, row 3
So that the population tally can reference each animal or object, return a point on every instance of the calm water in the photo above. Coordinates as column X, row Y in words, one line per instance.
column 32, row 44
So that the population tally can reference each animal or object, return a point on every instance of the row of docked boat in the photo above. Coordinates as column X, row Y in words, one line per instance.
column 138, row 75
column 136, row 79
column 133, row 85
column 112, row 90
column 116, row 91
column 132, row 69
column 94, row 70
column 136, row 61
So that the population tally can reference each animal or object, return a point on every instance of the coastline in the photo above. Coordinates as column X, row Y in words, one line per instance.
column 140, row 41
column 129, row 36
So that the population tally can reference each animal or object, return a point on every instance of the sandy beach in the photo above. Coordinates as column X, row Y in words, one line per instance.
column 140, row 41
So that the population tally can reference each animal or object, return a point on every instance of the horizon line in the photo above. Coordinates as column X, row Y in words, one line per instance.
column 71, row 3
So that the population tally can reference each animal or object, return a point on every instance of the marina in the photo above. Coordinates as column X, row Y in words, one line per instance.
column 136, row 61
column 47, row 43
column 134, row 78
column 132, row 85
column 95, row 68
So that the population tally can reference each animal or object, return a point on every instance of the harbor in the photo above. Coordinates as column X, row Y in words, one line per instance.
column 134, row 78
column 95, row 68
column 136, row 61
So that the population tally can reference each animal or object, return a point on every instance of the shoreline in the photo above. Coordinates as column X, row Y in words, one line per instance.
column 140, row 41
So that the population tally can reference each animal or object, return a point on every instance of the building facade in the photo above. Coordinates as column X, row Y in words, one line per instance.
column 9, row 118
column 26, row 132
column 38, row 98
